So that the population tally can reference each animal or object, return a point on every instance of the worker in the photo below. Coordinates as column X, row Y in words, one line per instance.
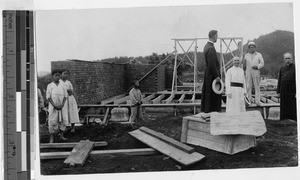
column 254, row 62
column 135, row 97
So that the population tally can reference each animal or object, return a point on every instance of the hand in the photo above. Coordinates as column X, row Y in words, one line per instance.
column 70, row 92
column 254, row 67
column 229, row 96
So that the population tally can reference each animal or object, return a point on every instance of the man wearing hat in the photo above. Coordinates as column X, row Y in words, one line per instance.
column 254, row 62
column 235, row 88
column 211, row 101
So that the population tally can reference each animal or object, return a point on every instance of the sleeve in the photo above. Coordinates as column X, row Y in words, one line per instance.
column 279, row 81
column 227, row 81
column 212, row 62
column 71, row 86
column 40, row 99
column 261, row 62
column 48, row 92
column 244, row 82
column 132, row 98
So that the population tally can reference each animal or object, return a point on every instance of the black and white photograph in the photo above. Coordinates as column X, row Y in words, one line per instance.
column 165, row 89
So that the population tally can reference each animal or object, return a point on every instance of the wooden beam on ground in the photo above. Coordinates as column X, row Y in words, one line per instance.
column 121, row 100
column 112, row 99
column 168, row 140
column 246, row 123
column 130, row 152
column 263, row 99
column 80, row 153
column 68, row 145
column 181, row 98
column 158, row 99
column 171, row 151
column 147, row 99
column 270, row 101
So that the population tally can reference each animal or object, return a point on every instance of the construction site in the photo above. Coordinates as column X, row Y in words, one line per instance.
column 173, row 135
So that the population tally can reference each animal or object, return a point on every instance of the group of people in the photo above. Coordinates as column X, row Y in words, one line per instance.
column 62, row 108
column 239, row 84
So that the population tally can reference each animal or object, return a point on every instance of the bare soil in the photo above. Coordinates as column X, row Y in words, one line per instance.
column 276, row 148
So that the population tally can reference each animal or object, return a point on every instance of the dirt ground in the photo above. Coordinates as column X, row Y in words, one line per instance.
column 276, row 148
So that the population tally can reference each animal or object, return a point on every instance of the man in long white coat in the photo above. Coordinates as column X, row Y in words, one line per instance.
column 235, row 88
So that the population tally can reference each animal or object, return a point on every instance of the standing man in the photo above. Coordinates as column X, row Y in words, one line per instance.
column 210, row 101
column 254, row 62
column 135, row 97
column 235, row 88
column 286, row 89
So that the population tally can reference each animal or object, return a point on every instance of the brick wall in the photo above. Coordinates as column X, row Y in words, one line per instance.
column 155, row 81
column 96, row 81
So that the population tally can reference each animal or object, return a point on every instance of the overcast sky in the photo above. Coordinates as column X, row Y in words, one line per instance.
column 102, row 33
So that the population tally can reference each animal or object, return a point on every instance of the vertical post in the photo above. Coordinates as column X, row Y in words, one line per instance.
column 195, row 72
column 221, row 55
column 174, row 70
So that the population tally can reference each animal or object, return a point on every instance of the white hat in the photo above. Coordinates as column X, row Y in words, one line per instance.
column 218, row 87
column 251, row 43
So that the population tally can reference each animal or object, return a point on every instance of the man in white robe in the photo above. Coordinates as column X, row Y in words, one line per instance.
column 235, row 88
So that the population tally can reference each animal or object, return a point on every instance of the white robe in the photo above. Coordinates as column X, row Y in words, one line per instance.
column 58, row 119
column 236, row 103
column 71, row 104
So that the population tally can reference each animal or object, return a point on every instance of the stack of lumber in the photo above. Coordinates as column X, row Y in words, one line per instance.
column 176, row 150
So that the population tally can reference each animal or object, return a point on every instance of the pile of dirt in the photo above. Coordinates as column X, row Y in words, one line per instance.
column 276, row 148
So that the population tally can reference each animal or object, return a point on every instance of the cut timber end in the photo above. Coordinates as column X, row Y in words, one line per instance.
column 168, row 140
column 171, row 151
column 80, row 153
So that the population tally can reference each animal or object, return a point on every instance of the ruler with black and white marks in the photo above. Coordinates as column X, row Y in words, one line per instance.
column 18, row 97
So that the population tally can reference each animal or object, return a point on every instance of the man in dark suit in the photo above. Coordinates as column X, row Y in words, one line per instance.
column 210, row 101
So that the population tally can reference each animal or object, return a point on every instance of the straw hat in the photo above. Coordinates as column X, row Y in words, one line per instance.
column 218, row 87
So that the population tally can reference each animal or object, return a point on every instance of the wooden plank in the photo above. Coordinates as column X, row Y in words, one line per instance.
column 168, row 140
column 199, row 126
column 121, row 100
column 129, row 152
column 105, row 119
column 208, row 144
column 184, row 130
column 181, row 98
column 157, row 100
column 270, row 101
column 112, row 99
column 176, row 154
column 68, row 145
column 80, row 153
column 247, row 123
column 169, row 99
column 263, row 99
column 147, row 99
column 275, row 99
column 242, row 143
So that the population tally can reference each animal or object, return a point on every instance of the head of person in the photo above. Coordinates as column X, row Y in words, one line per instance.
column 288, row 58
column 56, row 75
column 213, row 35
column 65, row 74
column 251, row 47
column 136, row 85
column 236, row 61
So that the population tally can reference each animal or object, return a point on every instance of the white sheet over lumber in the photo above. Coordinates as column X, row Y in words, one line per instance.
column 130, row 152
column 169, row 150
column 247, row 123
